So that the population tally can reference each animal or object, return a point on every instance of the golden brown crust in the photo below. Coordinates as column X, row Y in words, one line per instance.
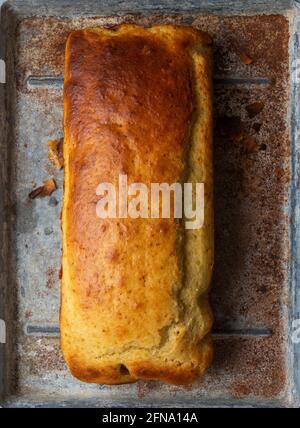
column 134, row 291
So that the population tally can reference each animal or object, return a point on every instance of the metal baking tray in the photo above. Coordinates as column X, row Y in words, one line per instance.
column 256, row 288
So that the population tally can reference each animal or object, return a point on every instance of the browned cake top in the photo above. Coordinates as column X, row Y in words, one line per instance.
column 132, row 104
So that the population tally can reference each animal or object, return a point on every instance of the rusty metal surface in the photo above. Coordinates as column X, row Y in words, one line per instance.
column 252, row 187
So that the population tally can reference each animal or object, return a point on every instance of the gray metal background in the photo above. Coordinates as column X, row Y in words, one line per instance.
column 27, row 250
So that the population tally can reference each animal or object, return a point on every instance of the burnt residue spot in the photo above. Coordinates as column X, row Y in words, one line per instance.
column 254, row 109
column 249, row 144
column 279, row 172
column 245, row 58
column 240, row 48
column 256, row 126
column 145, row 388
column 48, row 231
column 28, row 314
column 263, row 289
column 51, row 276
column 230, row 128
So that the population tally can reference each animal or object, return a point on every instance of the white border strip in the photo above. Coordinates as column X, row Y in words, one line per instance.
column 2, row 71
column 2, row 331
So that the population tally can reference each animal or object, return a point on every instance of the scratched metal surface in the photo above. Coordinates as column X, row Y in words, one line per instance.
column 255, row 292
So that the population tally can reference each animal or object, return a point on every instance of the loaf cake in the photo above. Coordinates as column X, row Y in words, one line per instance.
column 134, row 295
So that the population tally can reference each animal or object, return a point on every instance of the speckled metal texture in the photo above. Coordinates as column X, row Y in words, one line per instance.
column 254, row 291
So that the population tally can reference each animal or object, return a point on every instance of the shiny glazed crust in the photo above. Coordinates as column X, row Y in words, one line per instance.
column 137, row 101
